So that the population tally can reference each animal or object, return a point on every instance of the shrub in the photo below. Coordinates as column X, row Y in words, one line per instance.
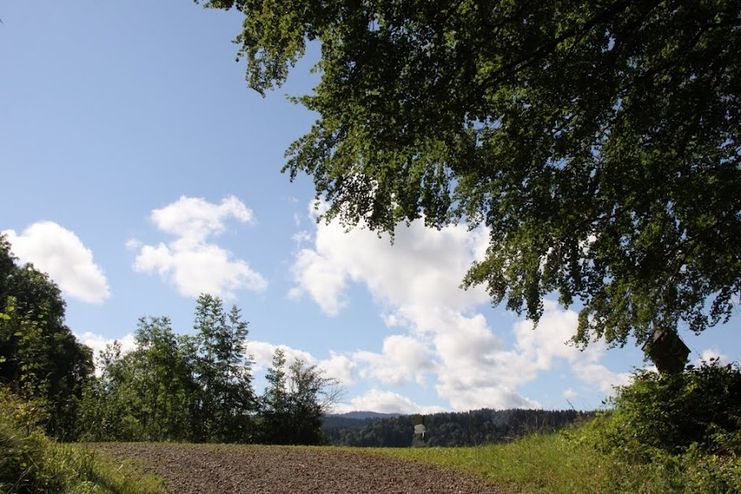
column 699, row 408
column 30, row 462
column 20, row 442
column 674, row 433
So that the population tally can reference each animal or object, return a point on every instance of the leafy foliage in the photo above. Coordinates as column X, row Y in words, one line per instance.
column 199, row 388
column 597, row 140
column 195, row 388
column 699, row 409
column 294, row 402
column 674, row 433
column 275, row 408
column 222, row 374
column 146, row 394
column 32, row 463
column 40, row 358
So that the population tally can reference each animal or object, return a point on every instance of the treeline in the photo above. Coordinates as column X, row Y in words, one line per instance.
column 448, row 429
column 171, row 387
column 198, row 388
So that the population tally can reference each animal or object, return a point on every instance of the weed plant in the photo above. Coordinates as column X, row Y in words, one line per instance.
column 30, row 462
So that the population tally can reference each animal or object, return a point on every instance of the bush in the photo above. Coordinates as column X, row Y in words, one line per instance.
column 699, row 408
column 673, row 433
column 20, row 442
column 30, row 462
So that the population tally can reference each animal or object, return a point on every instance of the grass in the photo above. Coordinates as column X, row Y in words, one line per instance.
column 84, row 471
column 537, row 463
column 30, row 462
column 567, row 462
column 39, row 464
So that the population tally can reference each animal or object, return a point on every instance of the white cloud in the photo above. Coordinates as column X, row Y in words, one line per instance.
column 321, row 279
column 384, row 402
column 98, row 343
column 403, row 359
column 712, row 353
column 262, row 354
column 570, row 394
column 599, row 375
column 536, row 349
column 339, row 367
column 192, row 262
column 416, row 284
column 194, row 218
column 60, row 253
column 423, row 264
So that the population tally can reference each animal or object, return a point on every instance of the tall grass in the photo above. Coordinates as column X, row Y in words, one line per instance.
column 569, row 462
column 665, row 433
column 30, row 462
column 536, row 463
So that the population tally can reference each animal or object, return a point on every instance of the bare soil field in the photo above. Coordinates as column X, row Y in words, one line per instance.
column 226, row 469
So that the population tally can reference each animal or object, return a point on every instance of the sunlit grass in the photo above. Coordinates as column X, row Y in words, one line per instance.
column 567, row 462
column 85, row 471
column 51, row 467
column 537, row 463
column 31, row 462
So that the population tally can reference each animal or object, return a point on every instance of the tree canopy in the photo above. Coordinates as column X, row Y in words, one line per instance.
column 296, row 398
column 40, row 358
column 598, row 141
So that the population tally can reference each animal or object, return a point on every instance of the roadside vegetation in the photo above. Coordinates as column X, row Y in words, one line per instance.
column 33, row 463
column 665, row 433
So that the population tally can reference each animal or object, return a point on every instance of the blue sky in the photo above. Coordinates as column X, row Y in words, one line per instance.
column 139, row 170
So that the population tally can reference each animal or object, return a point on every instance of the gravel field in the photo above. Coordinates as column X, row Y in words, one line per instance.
column 224, row 469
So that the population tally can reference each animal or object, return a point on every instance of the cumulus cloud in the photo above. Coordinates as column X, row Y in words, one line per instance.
column 403, row 359
column 60, row 253
column 416, row 284
column 262, row 354
column 570, row 394
column 339, row 367
column 192, row 261
column 423, row 264
column 321, row 279
column 384, row 402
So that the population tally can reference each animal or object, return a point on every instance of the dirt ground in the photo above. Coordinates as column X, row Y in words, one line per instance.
column 226, row 469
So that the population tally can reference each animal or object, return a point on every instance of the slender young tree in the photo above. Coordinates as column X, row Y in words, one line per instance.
column 163, row 380
column 227, row 399
column 274, row 404
column 310, row 395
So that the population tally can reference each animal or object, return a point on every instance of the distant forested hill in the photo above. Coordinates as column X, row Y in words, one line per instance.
column 445, row 429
